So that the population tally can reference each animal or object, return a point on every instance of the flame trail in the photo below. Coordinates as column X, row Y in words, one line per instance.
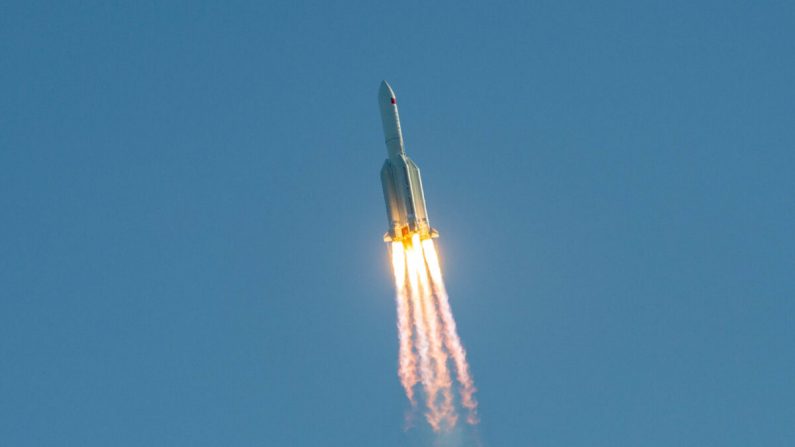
column 442, row 383
column 427, row 335
column 413, row 260
column 452, row 341
column 407, row 364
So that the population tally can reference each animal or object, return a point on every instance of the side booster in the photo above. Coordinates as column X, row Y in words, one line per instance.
column 400, row 178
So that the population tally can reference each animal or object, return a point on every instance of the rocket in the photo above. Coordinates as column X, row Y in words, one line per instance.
column 400, row 178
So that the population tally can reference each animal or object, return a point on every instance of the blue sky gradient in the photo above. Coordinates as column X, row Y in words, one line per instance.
column 192, row 220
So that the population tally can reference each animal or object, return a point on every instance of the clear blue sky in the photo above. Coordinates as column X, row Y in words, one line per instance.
column 191, row 248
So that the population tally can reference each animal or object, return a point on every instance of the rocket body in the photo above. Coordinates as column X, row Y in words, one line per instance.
column 400, row 178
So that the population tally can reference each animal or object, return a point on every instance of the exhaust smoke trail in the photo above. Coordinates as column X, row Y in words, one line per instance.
column 407, row 369
column 452, row 340
column 423, row 345
column 443, row 383
column 427, row 335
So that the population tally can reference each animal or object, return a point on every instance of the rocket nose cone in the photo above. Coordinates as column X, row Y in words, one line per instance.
column 385, row 94
column 390, row 120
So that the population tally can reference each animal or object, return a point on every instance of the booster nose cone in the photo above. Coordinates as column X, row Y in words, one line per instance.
column 387, row 102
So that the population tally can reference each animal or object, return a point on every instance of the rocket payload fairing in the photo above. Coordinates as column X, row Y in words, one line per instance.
column 400, row 178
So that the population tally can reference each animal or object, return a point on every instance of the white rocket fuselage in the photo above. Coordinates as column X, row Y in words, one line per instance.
column 400, row 178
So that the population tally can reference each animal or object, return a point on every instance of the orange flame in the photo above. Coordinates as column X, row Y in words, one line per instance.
column 427, row 335
column 452, row 340
column 406, row 362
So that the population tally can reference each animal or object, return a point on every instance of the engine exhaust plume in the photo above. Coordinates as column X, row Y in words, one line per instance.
column 427, row 336
column 452, row 340
column 406, row 363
